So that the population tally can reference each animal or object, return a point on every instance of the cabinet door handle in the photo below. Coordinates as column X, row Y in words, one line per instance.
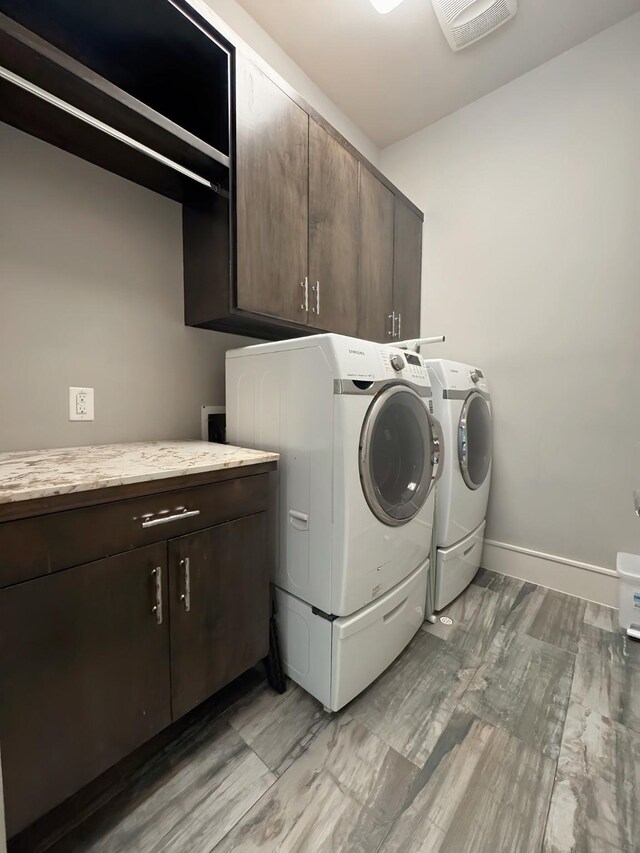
column 400, row 326
column 315, row 288
column 156, row 574
column 165, row 519
column 185, row 598
column 305, row 304
column 392, row 317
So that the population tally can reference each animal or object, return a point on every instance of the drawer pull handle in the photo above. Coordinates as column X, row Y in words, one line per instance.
column 299, row 520
column 157, row 607
column 185, row 598
column 469, row 549
column 165, row 519
column 395, row 610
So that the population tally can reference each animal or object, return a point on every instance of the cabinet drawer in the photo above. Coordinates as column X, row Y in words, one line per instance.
column 38, row 546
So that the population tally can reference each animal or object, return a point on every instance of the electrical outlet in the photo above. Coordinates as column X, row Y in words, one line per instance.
column 80, row 404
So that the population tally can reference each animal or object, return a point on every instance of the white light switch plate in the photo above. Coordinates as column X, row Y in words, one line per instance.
column 80, row 404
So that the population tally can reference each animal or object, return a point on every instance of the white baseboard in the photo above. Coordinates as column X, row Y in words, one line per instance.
column 594, row 583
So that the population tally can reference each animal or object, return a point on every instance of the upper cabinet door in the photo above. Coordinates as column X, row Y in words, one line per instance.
column 333, row 233
column 375, row 286
column 272, row 197
column 407, row 271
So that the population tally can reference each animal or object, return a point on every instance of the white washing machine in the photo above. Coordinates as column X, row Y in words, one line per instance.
column 360, row 455
column 462, row 404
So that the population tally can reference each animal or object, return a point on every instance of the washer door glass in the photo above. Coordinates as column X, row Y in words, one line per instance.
column 474, row 440
column 396, row 455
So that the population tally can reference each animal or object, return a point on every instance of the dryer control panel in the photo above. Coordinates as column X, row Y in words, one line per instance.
column 456, row 376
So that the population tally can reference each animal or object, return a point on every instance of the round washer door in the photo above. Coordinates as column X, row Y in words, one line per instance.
column 474, row 440
column 400, row 453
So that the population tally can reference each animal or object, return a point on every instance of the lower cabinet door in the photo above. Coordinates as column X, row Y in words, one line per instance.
column 219, row 588
column 84, row 676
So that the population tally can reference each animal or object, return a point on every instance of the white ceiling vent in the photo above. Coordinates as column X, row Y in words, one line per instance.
column 466, row 21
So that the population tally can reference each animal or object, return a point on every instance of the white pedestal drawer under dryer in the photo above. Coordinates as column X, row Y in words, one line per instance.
column 359, row 458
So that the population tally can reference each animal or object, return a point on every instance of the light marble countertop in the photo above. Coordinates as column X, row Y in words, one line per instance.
column 25, row 475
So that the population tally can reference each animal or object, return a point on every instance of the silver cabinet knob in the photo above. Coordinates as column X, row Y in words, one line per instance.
column 397, row 362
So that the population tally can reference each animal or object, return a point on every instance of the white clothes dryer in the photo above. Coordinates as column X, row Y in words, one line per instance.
column 360, row 453
column 462, row 404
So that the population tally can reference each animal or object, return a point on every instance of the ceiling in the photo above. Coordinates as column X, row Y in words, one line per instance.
column 394, row 74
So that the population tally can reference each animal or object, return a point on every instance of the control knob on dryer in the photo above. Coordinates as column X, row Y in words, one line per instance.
column 397, row 362
column 474, row 376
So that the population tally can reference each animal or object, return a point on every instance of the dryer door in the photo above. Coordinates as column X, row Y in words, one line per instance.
column 400, row 455
column 474, row 440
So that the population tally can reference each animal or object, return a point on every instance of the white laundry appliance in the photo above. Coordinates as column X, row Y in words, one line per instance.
column 360, row 455
column 462, row 404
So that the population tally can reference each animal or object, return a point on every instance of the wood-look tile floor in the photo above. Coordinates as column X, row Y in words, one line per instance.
column 515, row 729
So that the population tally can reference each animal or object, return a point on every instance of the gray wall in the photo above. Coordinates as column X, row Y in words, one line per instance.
column 91, row 294
column 532, row 270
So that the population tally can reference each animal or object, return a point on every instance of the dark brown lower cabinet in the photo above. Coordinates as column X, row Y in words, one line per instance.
column 98, row 657
column 219, row 623
column 87, row 679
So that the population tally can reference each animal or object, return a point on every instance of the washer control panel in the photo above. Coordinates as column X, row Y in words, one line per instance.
column 404, row 363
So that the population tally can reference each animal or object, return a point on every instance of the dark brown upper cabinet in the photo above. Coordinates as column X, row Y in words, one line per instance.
column 315, row 244
column 272, row 197
column 296, row 206
column 390, row 264
column 375, row 282
column 407, row 271
column 333, row 234
column 296, row 211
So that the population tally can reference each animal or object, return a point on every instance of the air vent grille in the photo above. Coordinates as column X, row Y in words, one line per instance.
column 452, row 8
column 465, row 21
column 474, row 29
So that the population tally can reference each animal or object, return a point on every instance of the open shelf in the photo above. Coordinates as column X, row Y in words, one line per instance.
column 73, row 71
